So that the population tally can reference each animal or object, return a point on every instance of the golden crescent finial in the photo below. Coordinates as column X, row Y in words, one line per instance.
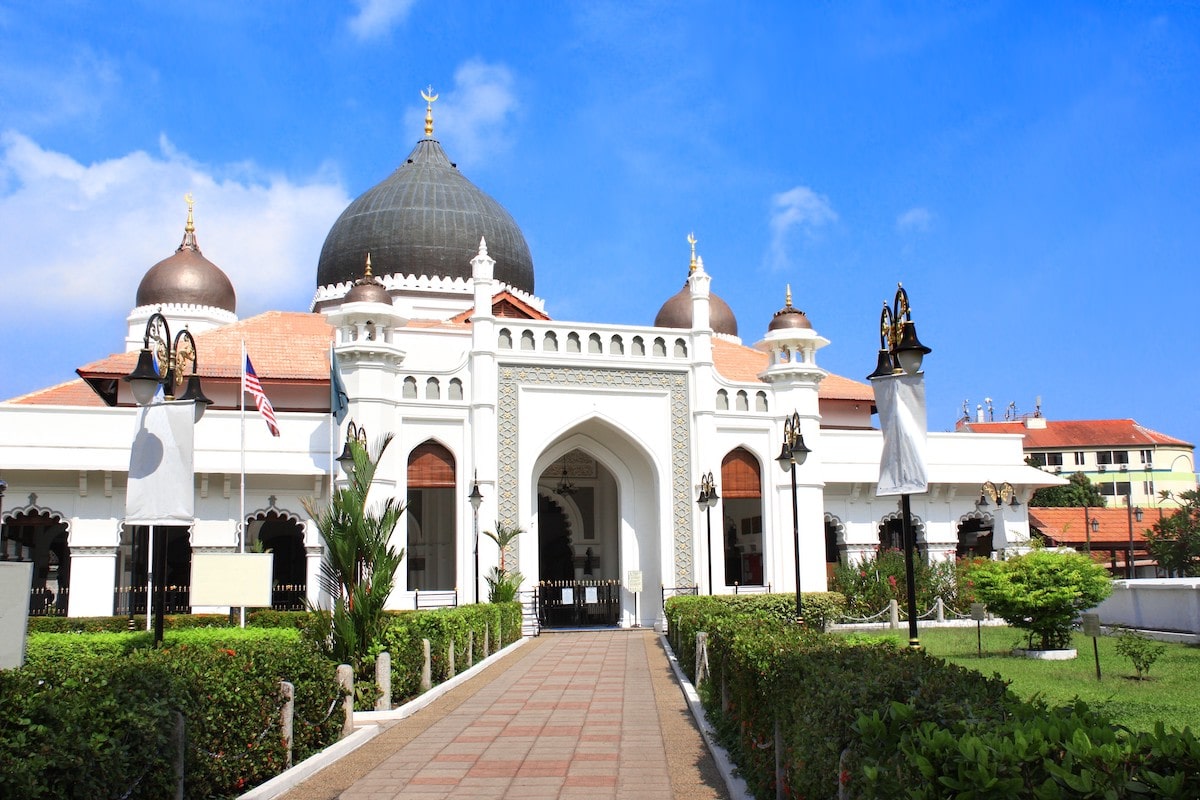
column 691, row 237
column 190, row 227
column 428, row 96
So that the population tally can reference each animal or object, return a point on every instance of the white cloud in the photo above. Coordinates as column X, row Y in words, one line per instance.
column 799, row 209
column 470, row 117
column 79, row 237
column 914, row 220
column 376, row 18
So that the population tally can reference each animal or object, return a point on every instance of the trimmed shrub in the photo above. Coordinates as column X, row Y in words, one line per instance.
column 96, row 721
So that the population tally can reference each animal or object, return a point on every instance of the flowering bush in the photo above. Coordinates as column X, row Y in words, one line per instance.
column 870, row 584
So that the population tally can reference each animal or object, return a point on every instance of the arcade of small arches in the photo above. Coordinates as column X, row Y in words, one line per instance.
column 577, row 534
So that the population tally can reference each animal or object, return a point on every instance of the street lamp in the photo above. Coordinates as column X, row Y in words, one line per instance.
column 1131, row 512
column 355, row 435
column 476, row 498
column 794, row 452
column 707, row 500
column 165, row 367
column 902, row 419
column 1002, row 494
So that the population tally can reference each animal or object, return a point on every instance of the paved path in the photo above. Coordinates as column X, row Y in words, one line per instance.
column 593, row 714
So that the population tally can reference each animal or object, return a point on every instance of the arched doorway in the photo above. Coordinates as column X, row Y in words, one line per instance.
column 40, row 536
column 432, row 519
column 835, row 545
column 975, row 536
column 578, row 545
column 891, row 534
column 742, row 518
column 282, row 535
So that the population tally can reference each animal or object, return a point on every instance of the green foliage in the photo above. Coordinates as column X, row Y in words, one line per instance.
column 1079, row 491
column 1174, row 541
column 1042, row 592
column 870, row 584
column 359, row 570
column 503, row 583
column 1140, row 650
column 405, row 630
column 1032, row 752
column 121, row 624
column 97, row 722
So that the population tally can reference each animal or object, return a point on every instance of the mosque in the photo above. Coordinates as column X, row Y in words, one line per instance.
column 592, row 438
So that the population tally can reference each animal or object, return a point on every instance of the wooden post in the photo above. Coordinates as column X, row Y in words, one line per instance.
column 179, row 739
column 701, row 670
column 470, row 649
column 451, row 671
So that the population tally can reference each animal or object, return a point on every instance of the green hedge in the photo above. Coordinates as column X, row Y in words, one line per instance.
column 875, row 721
column 402, row 640
column 87, row 718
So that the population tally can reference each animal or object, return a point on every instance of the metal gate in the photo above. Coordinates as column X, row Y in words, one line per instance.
column 578, row 604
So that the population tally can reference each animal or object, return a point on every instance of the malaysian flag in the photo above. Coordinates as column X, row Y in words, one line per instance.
column 255, row 389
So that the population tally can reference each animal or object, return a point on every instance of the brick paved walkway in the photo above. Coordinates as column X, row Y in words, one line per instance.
column 575, row 715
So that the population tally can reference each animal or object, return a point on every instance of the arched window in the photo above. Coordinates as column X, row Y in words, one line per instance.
column 680, row 348
column 433, row 390
column 639, row 346
column 722, row 400
column 432, row 521
column 743, row 402
column 455, row 390
column 573, row 344
column 660, row 347
column 595, row 346
column 504, row 339
column 527, row 340
column 616, row 347
column 741, row 503
column 550, row 342
column 409, row 392
column 760, row 402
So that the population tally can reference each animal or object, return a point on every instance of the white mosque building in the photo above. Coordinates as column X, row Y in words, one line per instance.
column 592, row 438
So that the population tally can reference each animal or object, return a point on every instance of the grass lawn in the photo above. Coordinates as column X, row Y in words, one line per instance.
column 1169, row 696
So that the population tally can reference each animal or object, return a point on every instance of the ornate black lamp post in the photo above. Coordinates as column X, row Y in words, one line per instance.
column 707, row 500
column 901, row 354
column 793, row 453
column 165, row 366
column 476, row 498
column 355, row 435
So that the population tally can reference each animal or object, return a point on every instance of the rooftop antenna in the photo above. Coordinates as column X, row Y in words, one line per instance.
column 1010, row 412
column 1037, row 406
column 991, row 411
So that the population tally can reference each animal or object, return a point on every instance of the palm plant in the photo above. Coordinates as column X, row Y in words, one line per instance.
column 359, row 569
column 503, row 584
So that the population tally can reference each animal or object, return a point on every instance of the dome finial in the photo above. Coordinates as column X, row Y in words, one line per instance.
column 367, row 274
column 691, row 237
column 789, row 296
column 428, row 96
column 189, row 228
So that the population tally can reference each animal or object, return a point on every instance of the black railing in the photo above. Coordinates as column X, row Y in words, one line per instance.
column 570, row 604
column 678, row 591
column 130, row 600
column 45, row 602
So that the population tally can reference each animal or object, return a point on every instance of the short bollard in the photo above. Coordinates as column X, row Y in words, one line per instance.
column 894, row 614
column 383, row 681
column 470, row 649
column 287, row 715
column 451, row 671
column 426, row 667
column 345, row 679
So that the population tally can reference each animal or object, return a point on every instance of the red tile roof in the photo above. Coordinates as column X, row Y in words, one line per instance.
column 1066, row 525
column 1079, row 433
column 71, row 393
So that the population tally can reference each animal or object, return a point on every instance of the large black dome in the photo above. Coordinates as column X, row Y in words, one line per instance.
column 424, row 219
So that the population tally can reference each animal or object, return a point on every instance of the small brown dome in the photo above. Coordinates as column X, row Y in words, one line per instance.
column 367, row 292
column 677, row 313
column 187, row 278
column 789, row 317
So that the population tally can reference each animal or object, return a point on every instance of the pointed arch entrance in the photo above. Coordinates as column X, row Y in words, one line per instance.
column 599, row 525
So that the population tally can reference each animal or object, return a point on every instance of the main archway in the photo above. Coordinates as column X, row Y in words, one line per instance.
column 597, row 526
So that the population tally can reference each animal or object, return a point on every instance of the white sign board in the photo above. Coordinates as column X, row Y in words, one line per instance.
column 16, row 579
column 633, row 580
column 591, row 595
column 231, row 579
column 567, row 596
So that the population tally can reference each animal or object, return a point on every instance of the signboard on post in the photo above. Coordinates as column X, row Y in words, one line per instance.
column 633, row 582
column 16, row 581
column 232, row 579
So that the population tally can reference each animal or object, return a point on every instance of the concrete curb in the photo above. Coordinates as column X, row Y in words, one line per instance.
column 733, row 783
column 368, row 725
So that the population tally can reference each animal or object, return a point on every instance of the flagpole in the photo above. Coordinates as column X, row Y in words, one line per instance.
column 241, row 526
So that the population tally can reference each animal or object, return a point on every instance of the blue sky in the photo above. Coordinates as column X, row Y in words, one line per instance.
column 1029, row 171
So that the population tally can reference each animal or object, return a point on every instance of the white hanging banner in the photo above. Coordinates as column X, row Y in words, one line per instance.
column 901, row 403
column 161, row 473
